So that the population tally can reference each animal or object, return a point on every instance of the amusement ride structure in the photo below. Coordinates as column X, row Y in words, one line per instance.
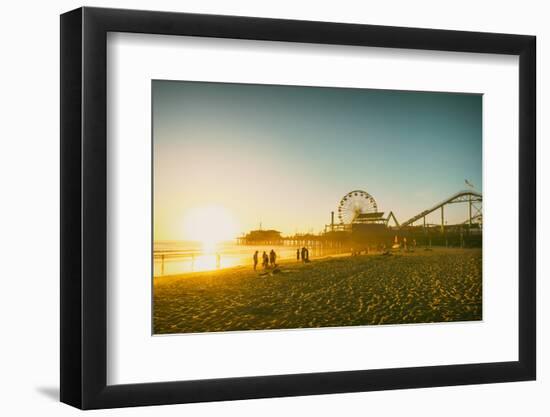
column 472, row 198
column 358, row 217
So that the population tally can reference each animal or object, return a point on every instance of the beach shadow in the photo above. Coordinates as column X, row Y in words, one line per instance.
column 50, row 392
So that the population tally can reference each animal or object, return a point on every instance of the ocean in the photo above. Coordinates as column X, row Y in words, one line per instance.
column 178, row 257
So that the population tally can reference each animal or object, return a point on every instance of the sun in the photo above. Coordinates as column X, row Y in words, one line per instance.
column 209, row 225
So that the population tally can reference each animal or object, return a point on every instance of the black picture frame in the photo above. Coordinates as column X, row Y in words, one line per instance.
column 84, row 207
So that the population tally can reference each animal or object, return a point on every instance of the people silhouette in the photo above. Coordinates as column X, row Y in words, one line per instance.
column 298, row 254
column 265, row 260
column 272, row 257
column 255, row 257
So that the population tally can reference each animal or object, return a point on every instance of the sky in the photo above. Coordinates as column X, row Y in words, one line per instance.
column 284, row 156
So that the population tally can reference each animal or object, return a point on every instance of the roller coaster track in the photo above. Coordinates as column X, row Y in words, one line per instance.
column 464, row 196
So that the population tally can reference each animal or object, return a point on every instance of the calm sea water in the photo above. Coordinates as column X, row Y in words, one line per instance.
column 177, row 257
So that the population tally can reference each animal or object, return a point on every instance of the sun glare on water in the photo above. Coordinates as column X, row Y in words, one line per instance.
column 209, row 225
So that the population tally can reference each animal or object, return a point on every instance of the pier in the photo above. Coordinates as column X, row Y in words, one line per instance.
column 361, row 224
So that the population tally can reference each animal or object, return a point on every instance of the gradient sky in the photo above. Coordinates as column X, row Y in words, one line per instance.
column 285, row 155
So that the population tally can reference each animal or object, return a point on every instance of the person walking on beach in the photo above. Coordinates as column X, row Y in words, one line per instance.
column 298, row 254
column 272, row 258
column 255, row 257
column 304, row 254
column 265, row 260
column 307, row 255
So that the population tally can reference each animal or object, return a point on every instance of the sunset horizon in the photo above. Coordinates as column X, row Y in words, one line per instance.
column 371, row 140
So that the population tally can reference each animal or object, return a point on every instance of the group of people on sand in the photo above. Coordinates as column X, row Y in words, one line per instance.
column 369, row 249
column 270, row 260
column 398, row 245
column 404, row 245
column 267, row 260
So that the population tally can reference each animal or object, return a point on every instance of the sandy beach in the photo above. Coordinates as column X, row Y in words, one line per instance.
column 441, row 285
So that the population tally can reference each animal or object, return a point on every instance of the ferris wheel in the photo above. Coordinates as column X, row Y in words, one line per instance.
column 355, row 203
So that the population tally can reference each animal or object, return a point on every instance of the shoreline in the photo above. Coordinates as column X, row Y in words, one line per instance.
column 294, row 262
column 251, row 265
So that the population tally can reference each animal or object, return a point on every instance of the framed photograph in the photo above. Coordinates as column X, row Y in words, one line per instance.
column 257, row 208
